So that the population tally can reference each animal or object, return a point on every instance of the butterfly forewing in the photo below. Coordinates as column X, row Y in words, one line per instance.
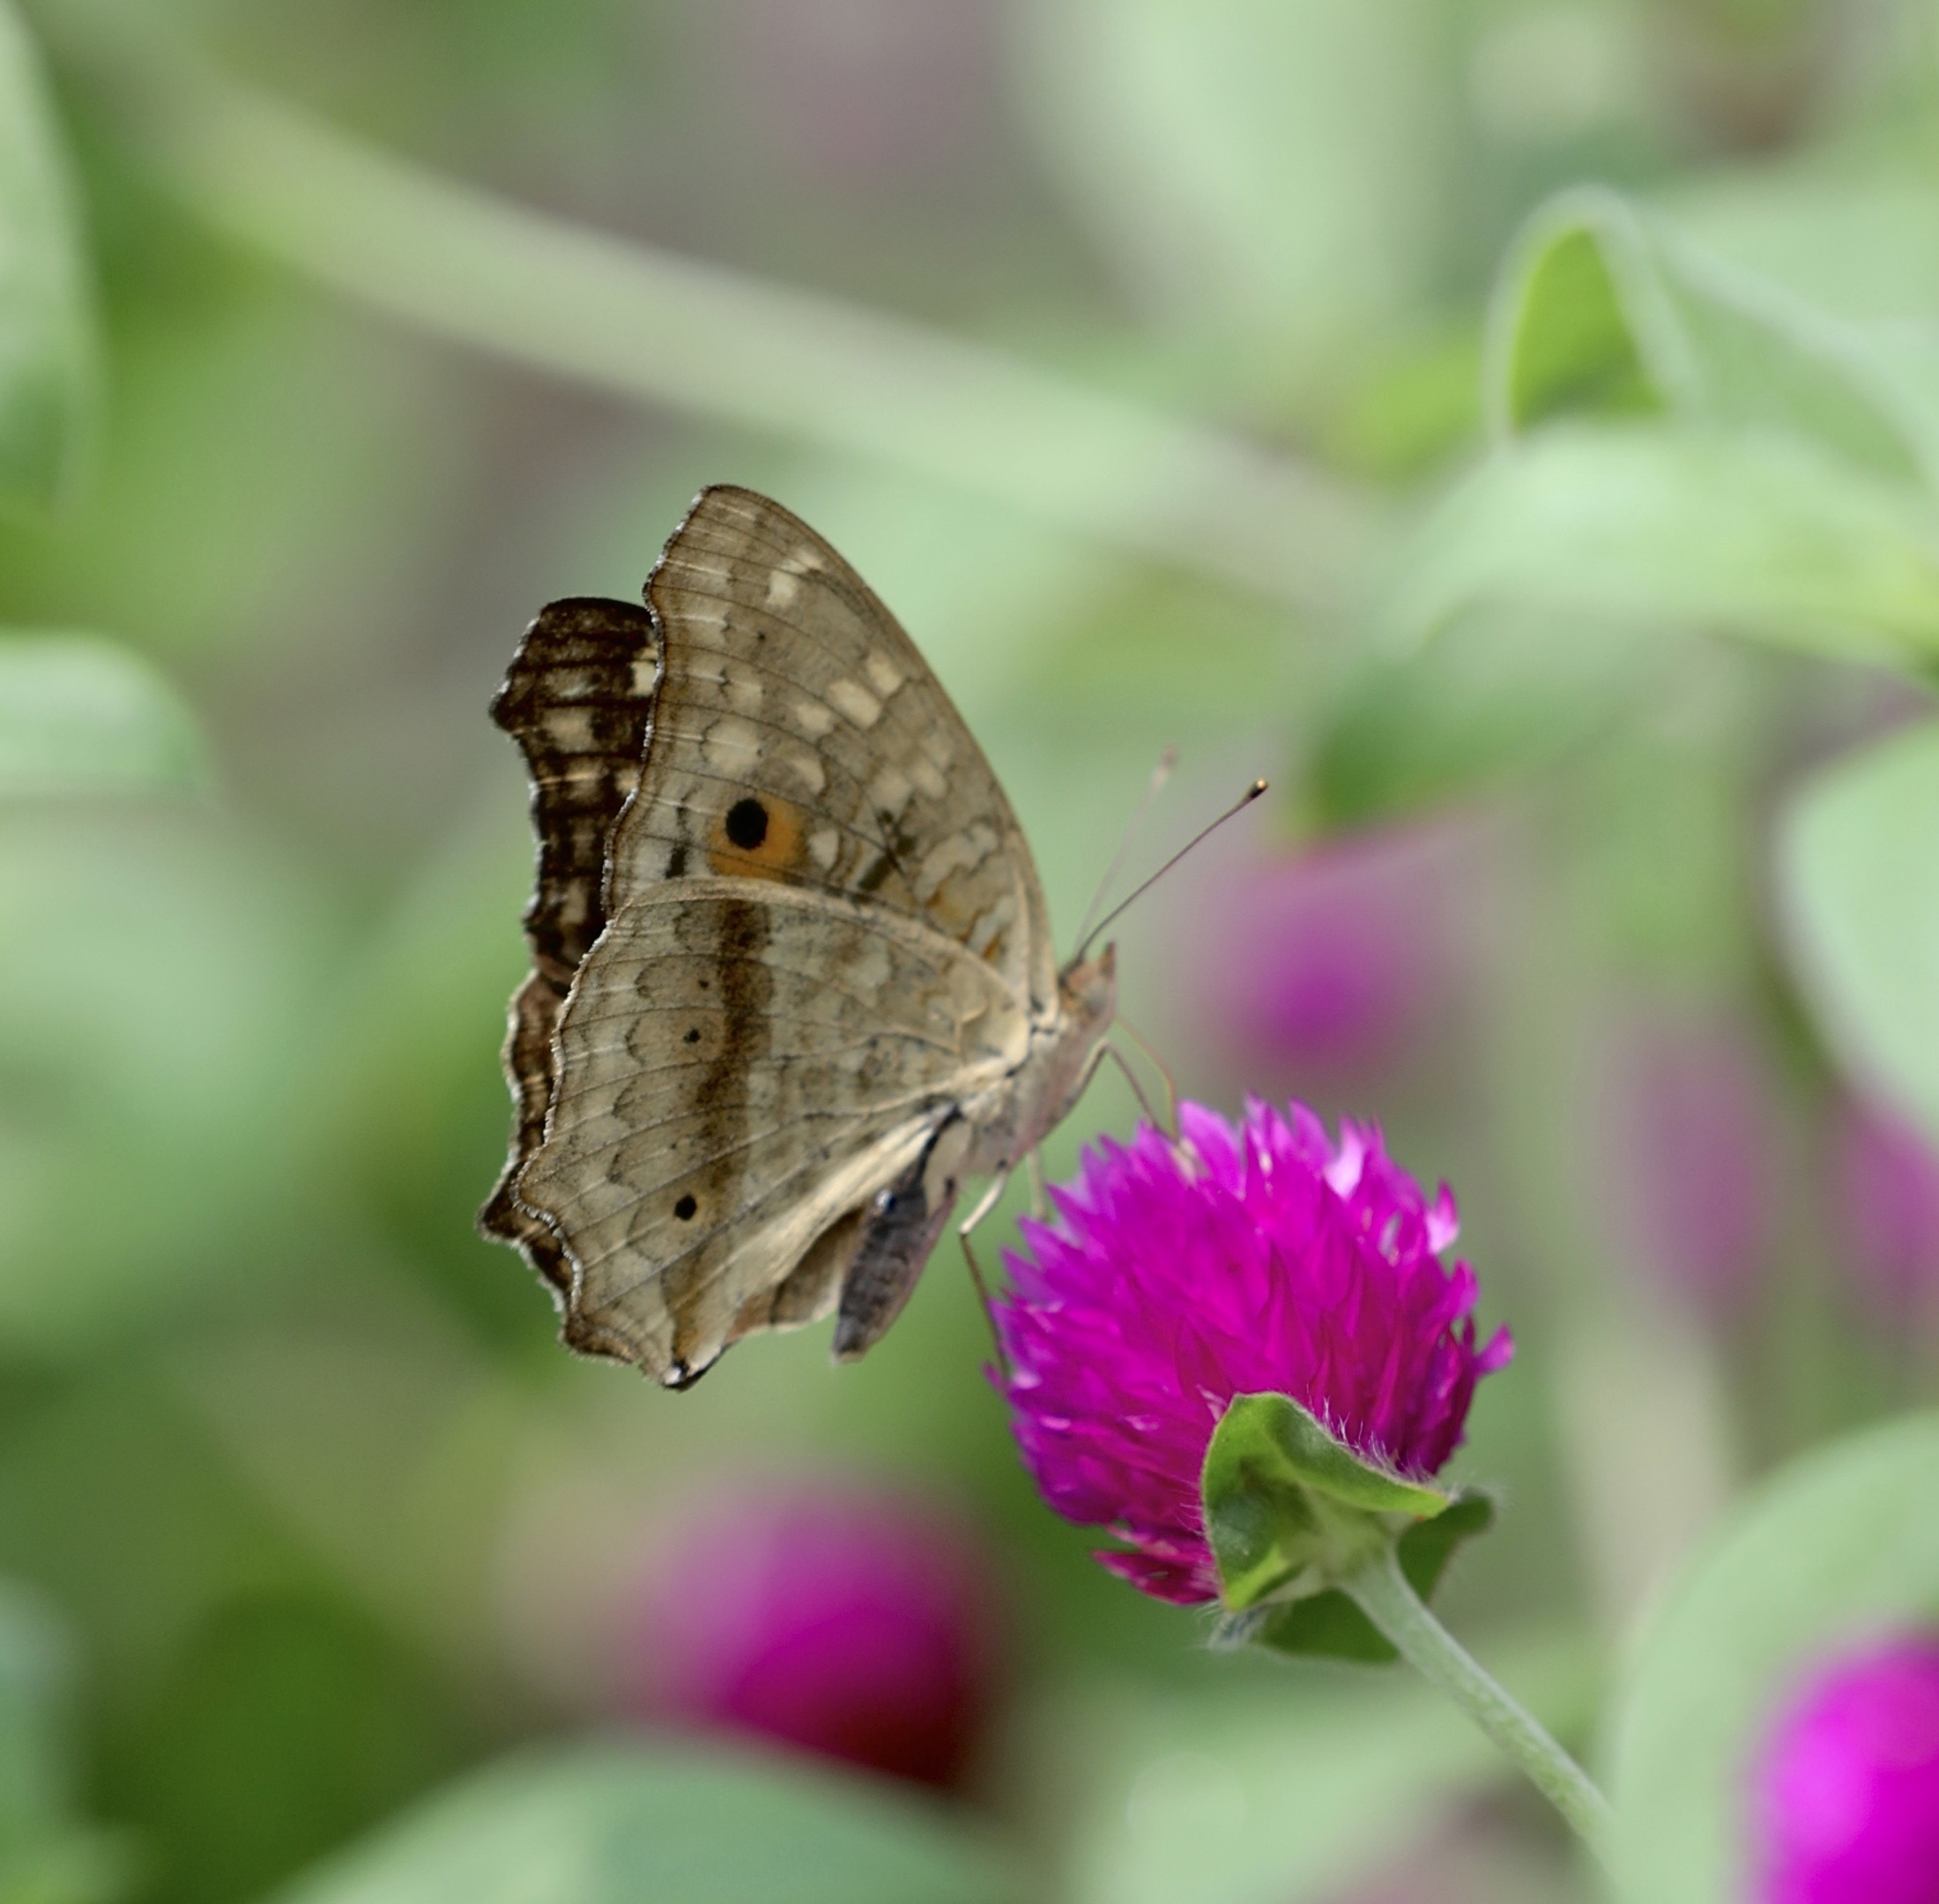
column 576, row 698
column 802, row 738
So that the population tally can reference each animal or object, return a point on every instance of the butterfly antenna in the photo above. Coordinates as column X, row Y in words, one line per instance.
column 1137, row 892
column 1160, row 774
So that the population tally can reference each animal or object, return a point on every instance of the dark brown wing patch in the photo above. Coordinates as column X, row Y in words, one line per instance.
column 578, row 699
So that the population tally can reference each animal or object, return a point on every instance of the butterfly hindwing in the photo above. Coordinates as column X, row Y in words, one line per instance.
column 745, row 1065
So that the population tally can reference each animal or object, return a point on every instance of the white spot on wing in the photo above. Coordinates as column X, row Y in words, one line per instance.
column 927, row 778
column 884, row 676
column 784, row 584
column 646, row 675
column 807, row 768
column 869, row 972
column 813, row 719
column 888, row 792
column 743, row 687
column 855, row 700
column 959, row 852
column 731, row 746
column 823, row 843
column 995, row 917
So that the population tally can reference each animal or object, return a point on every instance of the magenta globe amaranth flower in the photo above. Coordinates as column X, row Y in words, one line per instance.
column 849, row 1622
column 1261, row 1258
column 1844, row 1793
column 1886, row 1180
column 1337, row 958
column 1691, row 1154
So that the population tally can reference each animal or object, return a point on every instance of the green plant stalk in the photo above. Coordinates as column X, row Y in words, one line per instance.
column 1381, row 1592
column 724, row 344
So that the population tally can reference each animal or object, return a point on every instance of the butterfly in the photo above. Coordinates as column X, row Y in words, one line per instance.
column 792, row 980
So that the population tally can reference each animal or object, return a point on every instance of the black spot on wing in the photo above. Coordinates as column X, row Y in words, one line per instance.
column 747, row 823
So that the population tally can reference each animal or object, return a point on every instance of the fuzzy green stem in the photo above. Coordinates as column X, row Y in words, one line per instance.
column 1382, row 1592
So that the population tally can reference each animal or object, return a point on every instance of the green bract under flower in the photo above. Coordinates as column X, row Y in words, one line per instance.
column 1290, row 1513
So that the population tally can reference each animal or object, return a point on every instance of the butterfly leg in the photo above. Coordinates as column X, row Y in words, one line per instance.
column 1040, row 1202
column 986, row 1203
column 1137, row 1090
column 1164, row 1071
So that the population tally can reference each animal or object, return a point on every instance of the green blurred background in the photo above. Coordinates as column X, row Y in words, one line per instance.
column 1227, row 373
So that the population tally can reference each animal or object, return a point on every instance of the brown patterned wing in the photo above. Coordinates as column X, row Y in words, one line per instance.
column 801, row 739
column 578, row 699
column 746, row 1067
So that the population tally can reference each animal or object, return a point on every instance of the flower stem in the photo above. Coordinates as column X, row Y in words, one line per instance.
column 1382, row 1592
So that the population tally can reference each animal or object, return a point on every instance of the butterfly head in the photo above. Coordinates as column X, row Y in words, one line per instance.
column 1086, row 989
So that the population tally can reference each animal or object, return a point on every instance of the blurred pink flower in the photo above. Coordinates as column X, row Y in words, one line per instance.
column 1692, row 1149
column 1844, row 1791
column 1331, row 959
column 1885, row 1177
column 862, row 91
column 853, row 1624
column 1262, row 1258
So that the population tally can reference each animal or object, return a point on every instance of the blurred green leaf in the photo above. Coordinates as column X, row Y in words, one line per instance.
column 36, row 1667
column 1276, row 165
column 1830, row 1551
column 1284, row 1787
column 268, row 478
column 1606, row 309
column 1563, row 337
column 285, row 1724
column 80, row 714
column 411, row 1106
column 1859, row 241
column 1416, row 399
column 46, row 1856
column 1754, row 533
column 679, row 1824
column 158, row 981
column 47, row 370
column 1668, row 839
column 1497, row 693
column 1857, row 850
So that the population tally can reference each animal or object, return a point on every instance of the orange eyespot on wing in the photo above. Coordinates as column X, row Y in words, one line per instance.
column 759, row 837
